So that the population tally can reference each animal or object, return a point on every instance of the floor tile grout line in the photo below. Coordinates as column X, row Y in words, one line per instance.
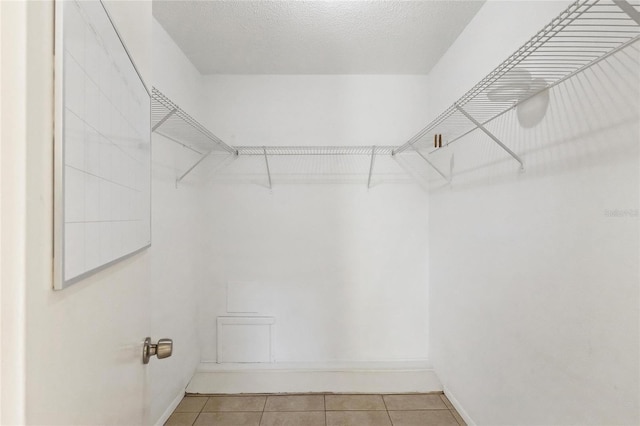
column 370, row 409
column 449, row 408
column 199, row 412
column 324, row 398
column 281, row 411
column 387, row 409
column 263, row 408
column 410, row 409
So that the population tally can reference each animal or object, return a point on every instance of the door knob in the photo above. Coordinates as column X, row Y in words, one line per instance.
column 162, row 349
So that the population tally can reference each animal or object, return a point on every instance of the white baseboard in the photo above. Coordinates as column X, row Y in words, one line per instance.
column 413, row 364
column 167, row 413
column 456, row 404
column 343, row 377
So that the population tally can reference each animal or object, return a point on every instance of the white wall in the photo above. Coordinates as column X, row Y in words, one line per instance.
column 176, row 264
column 323, row 260
column 83, row 344
column 534, row 279
column 339, row 266
column 173, row 74
column 315, row 109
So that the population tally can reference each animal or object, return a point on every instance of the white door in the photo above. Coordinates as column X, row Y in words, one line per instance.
column 71, row 356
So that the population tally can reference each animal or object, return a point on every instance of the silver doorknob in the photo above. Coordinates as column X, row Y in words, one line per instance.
column 162, row 349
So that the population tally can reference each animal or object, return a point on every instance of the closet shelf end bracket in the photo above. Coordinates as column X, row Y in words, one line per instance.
column 491, row 135
column 445, row 177
column 165, row 118
column 266, row 162
column 373, row 159
column 182, row 176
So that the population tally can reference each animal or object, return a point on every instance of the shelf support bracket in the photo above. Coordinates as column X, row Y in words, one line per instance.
column 628, row 9
column 266, row 162
column 491, row 135
column 192, row 167
column 373, row 158
column 448, row 179
column 165, row 118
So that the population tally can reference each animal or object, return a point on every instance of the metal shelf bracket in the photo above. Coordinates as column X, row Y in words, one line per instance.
column 373, row 159
column 266, row 162
column 491, row 135
column 192, row 167
column 445, row 177
column 165, row 118
column 173, row 123
column 585, row 33
column 628, row 9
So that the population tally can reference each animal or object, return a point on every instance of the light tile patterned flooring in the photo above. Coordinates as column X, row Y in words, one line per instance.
column 433, row 409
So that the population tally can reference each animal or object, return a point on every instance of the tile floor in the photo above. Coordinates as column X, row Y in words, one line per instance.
column 433, row 409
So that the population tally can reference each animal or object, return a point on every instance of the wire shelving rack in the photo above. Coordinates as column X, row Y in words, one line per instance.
column 315, row 150
column 585, row 33
column 267, row 151
column 172, row 122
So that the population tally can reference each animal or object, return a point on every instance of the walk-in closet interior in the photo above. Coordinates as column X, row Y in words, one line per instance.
column 402, row 198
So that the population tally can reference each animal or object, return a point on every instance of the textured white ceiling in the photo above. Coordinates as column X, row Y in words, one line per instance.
column 314, row 37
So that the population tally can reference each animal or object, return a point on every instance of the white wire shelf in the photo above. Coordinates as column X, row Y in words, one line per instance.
column 585, row 33
column 314, row 150
column 372, row 151
column 172, row 122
